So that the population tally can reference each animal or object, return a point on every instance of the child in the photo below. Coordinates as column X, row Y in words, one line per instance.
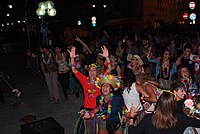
column 179, row 90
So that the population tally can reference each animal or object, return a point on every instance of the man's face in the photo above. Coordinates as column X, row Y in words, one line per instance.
column 92, row 72
column 187, row 53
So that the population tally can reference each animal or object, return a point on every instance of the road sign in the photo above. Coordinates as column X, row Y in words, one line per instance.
column 192, row 5
column 193, row 16
column 185, row 16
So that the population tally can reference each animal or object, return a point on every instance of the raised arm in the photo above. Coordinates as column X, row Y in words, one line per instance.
column 105, row 54
column 84, row 45
column 73, row 55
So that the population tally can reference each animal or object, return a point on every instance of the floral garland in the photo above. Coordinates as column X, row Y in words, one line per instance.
column 101, row 107
column 188, row 81
column 94, row 89
column 165, row 75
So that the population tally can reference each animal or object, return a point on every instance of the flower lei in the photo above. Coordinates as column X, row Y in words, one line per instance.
column 188, row 81
column 95, row 86
column 101, row 107
column 165, row 75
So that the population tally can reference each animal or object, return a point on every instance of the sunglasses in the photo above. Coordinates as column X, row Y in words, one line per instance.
column 167, row 91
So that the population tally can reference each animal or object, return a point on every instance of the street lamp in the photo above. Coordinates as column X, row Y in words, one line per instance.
column 43, row 9
column 43, row 6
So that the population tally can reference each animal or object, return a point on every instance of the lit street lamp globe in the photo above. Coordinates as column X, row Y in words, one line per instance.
column 40, row 12
column 51, row 12
column 49, row 4
column 42, row 5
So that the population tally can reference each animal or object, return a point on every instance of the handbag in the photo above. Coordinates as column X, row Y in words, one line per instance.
column 164, row 84
column 112, row 126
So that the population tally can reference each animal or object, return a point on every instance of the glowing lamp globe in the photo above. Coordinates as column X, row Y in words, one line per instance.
column 40, row 12
column 49, row 4
column 42, row 5
column 51, row 12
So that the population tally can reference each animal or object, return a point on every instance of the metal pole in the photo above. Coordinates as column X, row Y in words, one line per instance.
column 27, row 30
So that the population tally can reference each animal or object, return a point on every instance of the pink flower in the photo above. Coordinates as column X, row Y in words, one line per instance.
column 189, row 103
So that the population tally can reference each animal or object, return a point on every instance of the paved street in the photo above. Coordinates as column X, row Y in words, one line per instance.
column 35, row 97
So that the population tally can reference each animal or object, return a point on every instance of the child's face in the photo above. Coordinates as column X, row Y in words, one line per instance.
column 180, row 93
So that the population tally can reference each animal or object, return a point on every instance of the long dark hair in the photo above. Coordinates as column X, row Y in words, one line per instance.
column 129, row 78
column 164, row 117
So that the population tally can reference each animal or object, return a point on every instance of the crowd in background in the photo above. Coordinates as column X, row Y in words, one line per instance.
column 152, row 66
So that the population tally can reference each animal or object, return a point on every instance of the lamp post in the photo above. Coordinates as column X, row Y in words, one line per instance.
column 45, row 8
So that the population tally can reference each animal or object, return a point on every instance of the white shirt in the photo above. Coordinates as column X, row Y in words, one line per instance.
column 132, row 97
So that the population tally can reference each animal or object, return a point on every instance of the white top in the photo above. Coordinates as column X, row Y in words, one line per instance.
column 132, row 97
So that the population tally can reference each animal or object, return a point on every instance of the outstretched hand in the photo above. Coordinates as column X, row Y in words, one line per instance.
column 72, row 52
column 104, row 52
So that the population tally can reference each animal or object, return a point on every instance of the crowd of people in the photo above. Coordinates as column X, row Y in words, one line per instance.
column 132, row 82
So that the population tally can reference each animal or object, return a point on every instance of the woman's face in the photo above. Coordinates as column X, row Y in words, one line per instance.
column 92, row 72
column 166, row 55
column 106, row 89
column 134, row 61
column 57, row 50
column 119, row 43
column 184, row 73
column 112, row 58
column 180, row 93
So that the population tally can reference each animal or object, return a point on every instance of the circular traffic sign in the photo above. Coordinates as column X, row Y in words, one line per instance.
column 185, row 16
column 193, row 16
column 192, row 5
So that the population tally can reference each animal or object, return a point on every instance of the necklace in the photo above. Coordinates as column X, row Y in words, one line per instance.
column 164, row 66
column 188, row 82
column 106, row 115
column 93, row 90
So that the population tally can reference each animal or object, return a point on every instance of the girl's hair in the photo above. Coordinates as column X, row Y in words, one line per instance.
column 176, row 86
column 163, row 117
column 144, row 77
column 129, row 79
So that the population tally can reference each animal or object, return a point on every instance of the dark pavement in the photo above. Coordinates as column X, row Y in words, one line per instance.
column 35, row 100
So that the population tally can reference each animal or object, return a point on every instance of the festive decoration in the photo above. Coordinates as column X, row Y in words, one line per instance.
column 92, row 65
column 107, row 63
column 106, row 115
column 110, row 79
column 188, row 81
column 95, row 87
column 190, row 104
column 72, row 65
column 165, row 67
